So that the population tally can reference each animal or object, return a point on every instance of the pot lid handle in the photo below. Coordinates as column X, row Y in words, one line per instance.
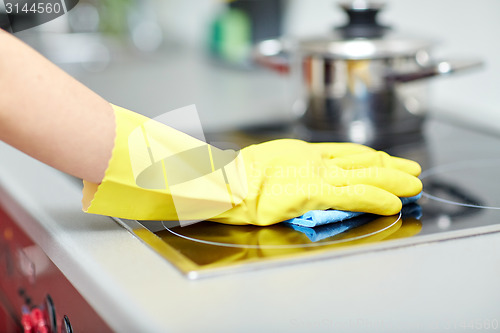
column 363, row 22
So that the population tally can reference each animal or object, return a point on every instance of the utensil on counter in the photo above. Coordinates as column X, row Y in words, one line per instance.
column 362, row 83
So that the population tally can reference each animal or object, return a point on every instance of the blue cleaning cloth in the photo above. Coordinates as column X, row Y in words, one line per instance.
column 331, row 229
column 316, row 218
column 412, row 210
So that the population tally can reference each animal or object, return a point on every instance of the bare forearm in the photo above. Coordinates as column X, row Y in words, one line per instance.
column 47, row 114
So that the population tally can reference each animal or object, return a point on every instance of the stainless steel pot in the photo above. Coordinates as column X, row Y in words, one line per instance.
column 362, row 83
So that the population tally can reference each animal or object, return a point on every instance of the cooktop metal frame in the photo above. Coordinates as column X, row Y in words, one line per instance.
column 448, row 143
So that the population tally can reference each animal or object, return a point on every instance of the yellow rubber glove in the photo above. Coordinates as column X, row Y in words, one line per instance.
column 288, row 177
column 159, row 173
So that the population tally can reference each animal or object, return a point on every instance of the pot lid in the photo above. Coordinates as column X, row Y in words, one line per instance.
column 363, row 37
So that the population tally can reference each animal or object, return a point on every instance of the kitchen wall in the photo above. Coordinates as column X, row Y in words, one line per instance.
column 461, row 28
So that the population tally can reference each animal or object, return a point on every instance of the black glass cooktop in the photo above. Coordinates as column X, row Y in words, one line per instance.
column 460, row 199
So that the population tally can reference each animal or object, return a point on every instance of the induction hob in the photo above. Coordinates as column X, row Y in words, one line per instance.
column 460, row 199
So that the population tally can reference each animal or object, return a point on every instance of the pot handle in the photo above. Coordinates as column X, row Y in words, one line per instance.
column 445, row 67
column 271, row 54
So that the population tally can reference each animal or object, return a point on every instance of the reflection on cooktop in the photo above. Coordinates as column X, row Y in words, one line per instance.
column 467, row 183
column 209, row 245
column 461, row 195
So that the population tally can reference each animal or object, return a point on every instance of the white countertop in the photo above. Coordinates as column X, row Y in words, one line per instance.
column 431, row 287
